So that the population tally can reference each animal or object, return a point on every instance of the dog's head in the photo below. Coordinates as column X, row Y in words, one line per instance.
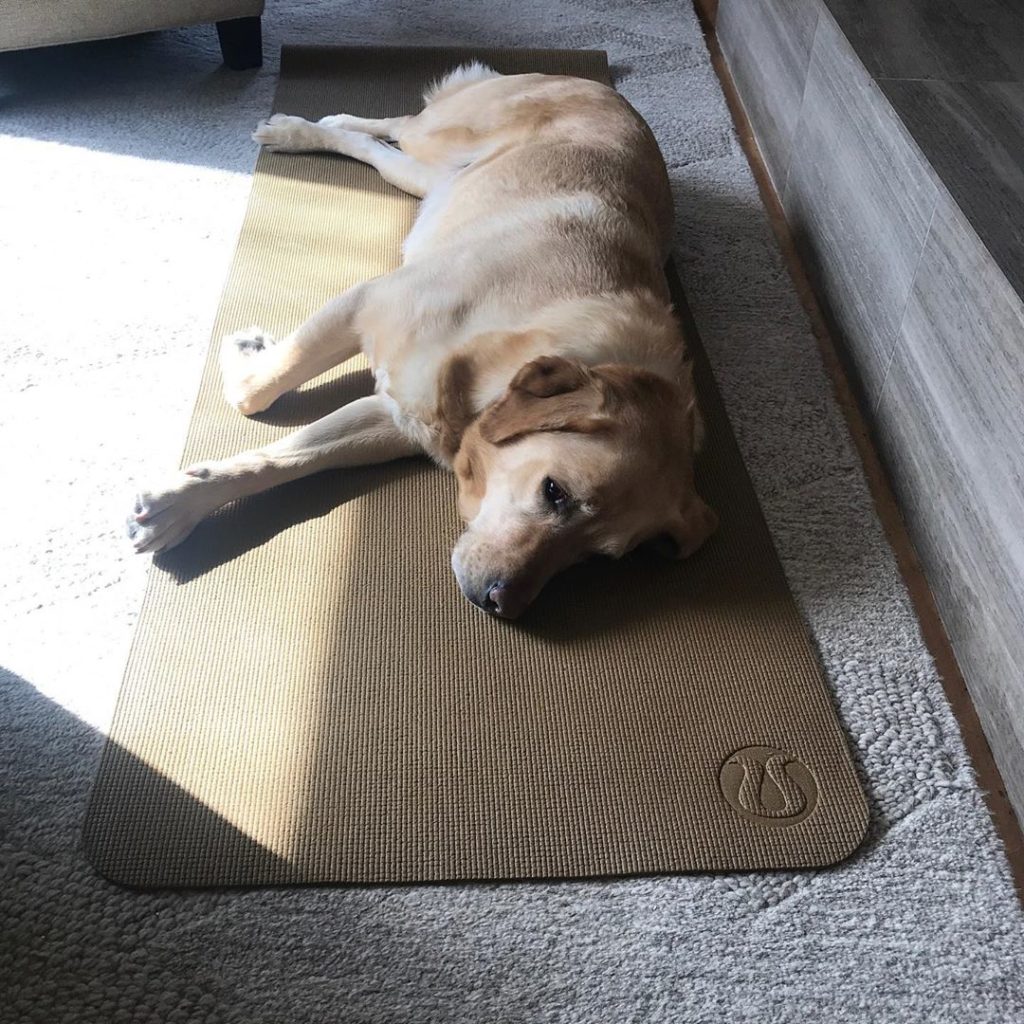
column 572, row 461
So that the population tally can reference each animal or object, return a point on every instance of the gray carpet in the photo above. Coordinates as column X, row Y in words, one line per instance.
column 126, row 165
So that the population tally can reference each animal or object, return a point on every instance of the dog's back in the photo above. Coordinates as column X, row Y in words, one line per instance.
column 571, row 145
column 547, row 233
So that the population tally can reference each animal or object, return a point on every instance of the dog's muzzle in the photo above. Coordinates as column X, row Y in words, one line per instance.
column 504, row 598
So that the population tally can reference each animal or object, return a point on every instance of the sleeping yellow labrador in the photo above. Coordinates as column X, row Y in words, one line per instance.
column 526, row 342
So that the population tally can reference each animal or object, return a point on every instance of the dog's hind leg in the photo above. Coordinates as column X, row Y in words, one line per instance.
column 378, row 127
column 256, row 370
column 361, row 433
column 296, row 135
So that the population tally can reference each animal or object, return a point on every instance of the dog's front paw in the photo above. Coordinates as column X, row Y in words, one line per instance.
column 240, row 354
column 165, row 515
column 285, row 132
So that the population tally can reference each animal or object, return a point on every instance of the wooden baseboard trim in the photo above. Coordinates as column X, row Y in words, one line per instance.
column 932, row 629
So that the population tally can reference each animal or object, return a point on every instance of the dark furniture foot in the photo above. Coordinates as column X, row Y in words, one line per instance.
column 241, row 42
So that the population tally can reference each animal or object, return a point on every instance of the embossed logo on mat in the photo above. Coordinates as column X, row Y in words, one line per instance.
column 768, row 786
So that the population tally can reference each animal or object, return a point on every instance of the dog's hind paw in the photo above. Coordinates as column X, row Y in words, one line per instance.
column 252, row 339
column 239, row 359
column 285, row 131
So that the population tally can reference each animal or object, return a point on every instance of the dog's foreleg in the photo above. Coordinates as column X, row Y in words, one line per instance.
column 256, row 370
column 358, row 434
column 296, row 134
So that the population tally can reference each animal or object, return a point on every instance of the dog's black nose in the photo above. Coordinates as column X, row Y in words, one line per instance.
column 500, row 599
column 492, row 601
column 486, row 597
column 489, row 597
column 504, row 600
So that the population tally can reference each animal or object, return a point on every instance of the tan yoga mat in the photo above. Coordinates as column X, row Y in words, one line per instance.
column 309, row 698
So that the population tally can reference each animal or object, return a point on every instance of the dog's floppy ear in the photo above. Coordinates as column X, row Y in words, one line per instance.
column 684, row 533
column 549, row 393
column 547, row 376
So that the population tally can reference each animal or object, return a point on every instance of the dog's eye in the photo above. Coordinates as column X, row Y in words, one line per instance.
column 554, row 495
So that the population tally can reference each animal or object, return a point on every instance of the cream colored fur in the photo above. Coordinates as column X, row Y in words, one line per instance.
column 544, row 225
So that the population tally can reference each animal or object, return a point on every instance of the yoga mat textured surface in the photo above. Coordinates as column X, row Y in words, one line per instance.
column 310, row 699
